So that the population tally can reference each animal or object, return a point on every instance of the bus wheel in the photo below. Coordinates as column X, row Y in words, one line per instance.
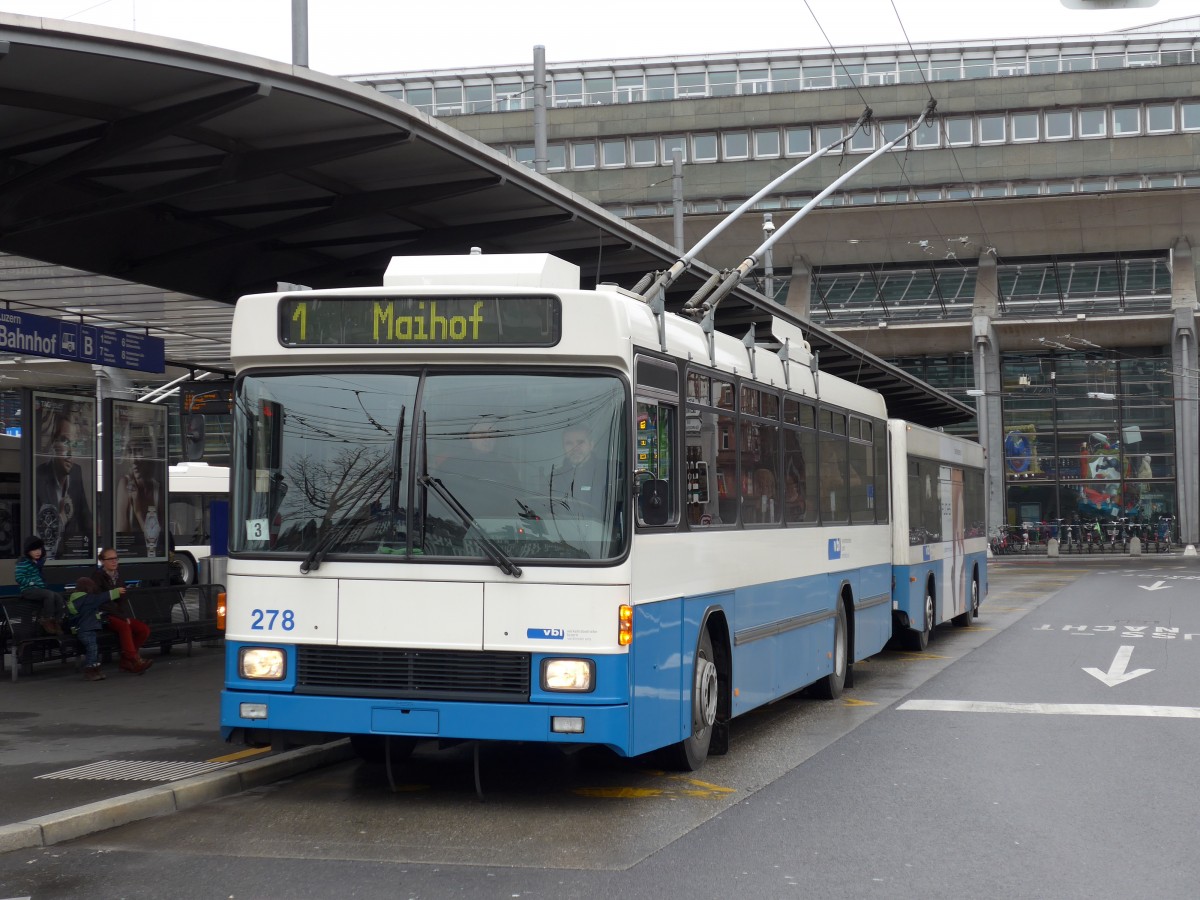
column 185, row 566
column 830, row 687
column 372, row 747
column 919, row 640
column 964, row 620
column 690, row 753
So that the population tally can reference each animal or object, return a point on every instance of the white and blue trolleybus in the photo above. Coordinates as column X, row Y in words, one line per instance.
column 480, row 503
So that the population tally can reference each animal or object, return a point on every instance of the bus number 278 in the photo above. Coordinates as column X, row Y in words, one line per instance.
column 266, row 619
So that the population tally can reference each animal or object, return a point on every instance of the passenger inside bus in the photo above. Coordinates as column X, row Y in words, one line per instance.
column 474, row 470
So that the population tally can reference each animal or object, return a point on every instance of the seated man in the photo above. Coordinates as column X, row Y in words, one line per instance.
column 89, row 609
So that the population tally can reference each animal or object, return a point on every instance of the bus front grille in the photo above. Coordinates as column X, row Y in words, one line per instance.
column 480, row 676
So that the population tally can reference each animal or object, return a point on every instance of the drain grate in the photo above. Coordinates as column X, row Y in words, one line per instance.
column 136, row 770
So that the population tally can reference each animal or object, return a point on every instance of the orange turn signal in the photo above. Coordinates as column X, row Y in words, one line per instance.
column 625, row 625
column 221, row 611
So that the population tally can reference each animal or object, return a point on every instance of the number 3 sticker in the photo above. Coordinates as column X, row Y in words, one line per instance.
column 256, row 529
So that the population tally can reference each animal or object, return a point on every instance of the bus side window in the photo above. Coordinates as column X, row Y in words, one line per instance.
column 711, row 447
column 834, row 452
column 655, row 480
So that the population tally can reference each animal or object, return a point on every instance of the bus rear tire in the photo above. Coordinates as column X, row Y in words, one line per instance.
column 690, row 753
column 830, row 687
column 919, row 640
column 964, row 620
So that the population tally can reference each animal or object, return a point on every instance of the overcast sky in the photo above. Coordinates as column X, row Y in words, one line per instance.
column 361, row 36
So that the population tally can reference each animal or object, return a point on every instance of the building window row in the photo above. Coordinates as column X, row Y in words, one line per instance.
column 466, row 96
column 981, row 129
column 930, row 194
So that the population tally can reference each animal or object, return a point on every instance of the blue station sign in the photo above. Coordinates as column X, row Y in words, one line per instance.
column 22, row 332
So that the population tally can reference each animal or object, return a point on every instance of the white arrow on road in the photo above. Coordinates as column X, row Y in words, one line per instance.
column 1157, row 586
column 1116, row 673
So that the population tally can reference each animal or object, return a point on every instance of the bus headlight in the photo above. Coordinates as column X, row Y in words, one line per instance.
column 262, row 663
column 577, row 675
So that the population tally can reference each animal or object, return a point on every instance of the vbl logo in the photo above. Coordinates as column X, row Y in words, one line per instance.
column 926, row 553
column 546, row 634
column 835, row 548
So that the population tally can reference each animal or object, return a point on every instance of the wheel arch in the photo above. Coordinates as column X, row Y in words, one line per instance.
column 846, row 598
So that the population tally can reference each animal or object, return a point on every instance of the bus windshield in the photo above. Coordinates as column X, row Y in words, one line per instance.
column 430, row 466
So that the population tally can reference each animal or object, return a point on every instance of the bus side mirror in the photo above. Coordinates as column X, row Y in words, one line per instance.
column 653, row 502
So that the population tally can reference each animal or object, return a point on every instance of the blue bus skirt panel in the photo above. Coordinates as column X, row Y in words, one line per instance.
column 605, row 711
column 872, row 611
column 908, row 596
column 909, row 592
column 662, row 651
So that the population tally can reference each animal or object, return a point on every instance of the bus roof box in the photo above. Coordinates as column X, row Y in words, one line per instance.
column 527, row 270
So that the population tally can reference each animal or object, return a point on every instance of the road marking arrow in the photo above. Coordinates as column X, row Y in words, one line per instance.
column 1116, row 673
column 1157, row 586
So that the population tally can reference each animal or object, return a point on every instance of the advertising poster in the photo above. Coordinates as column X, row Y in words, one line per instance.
column 64, row 483
column 139, row 454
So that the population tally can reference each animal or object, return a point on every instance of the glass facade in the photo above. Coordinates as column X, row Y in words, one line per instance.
column 1088, row 438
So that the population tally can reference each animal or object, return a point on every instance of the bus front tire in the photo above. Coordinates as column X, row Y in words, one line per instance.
column 690, row 753
column 830, row 687
column 919, row 640
column 964, row 620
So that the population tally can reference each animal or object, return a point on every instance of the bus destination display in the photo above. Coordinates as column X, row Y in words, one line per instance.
column 476, row 321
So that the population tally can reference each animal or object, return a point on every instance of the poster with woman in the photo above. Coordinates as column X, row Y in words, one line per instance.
column 64, row 485
column 139, row 453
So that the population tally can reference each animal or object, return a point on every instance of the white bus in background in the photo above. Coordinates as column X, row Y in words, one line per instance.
column 193, row 486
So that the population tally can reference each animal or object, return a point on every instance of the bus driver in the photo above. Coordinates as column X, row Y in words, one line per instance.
column 583, row 476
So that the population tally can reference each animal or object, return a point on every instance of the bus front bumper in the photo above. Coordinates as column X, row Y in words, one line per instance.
column 565, row 723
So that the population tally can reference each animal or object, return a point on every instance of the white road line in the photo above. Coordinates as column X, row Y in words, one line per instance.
column 1052, row 709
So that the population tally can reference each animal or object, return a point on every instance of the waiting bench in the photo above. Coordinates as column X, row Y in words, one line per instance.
column 175, row 615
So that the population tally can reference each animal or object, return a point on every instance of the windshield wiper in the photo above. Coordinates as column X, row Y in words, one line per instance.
column 502, row 560
column 312, row 562
column 397, row 474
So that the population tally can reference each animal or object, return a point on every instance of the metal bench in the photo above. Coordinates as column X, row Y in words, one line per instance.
column 175, row 615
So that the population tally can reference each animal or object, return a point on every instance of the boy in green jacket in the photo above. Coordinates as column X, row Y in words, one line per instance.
column 88, row 610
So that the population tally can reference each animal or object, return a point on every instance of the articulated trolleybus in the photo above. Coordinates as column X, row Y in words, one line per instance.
column 479, row 503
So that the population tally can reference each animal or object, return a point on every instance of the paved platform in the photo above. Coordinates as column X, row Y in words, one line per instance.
column 78, row 756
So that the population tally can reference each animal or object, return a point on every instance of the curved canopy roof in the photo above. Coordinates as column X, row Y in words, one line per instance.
column 159, row 180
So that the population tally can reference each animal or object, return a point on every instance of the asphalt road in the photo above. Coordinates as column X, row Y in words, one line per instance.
column 1029, row 756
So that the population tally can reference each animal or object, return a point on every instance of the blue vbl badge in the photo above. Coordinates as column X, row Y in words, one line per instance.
column 835, row 548
column 926, row 553
column 545, row 634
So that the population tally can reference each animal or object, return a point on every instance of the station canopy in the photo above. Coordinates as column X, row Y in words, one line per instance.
column 147, row 183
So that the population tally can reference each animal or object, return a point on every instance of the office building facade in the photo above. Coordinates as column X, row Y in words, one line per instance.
column 1030, row 247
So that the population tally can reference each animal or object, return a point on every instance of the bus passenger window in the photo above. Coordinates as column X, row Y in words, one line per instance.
column 834, row 503
column 800, row 482
column 655, row 481
column 710, row 438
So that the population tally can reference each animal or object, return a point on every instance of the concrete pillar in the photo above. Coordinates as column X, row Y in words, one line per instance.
column 799, row 292
column 1185, row 390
